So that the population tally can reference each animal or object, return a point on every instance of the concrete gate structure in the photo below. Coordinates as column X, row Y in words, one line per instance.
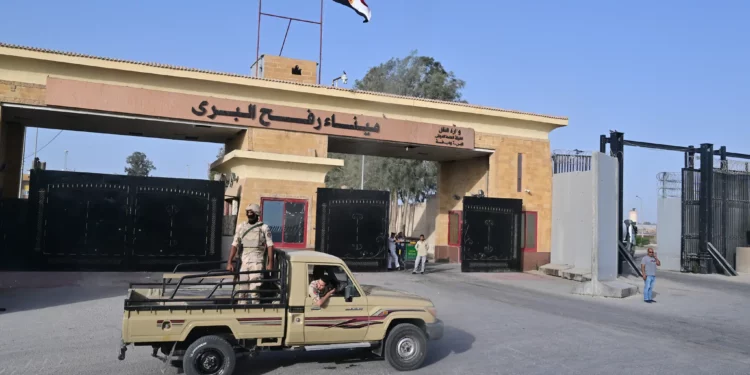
column 279, row 128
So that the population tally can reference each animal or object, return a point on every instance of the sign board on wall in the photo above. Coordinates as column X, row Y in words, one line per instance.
column 156, row 103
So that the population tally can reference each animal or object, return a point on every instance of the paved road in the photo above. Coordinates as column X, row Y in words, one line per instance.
column 509, row 324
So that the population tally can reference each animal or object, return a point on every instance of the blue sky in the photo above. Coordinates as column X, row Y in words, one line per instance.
column 661, row 71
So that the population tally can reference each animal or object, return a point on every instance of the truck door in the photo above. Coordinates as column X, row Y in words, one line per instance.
column 337, row 321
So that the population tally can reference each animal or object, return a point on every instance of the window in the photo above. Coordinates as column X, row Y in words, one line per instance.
column 334, row 276
column 288, row 221
column 454, row 228
column 528, row 231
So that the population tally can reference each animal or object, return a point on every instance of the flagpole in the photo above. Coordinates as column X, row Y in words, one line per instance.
column 320, row 56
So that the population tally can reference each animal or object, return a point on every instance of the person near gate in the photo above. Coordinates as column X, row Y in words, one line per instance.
column 255, row 238
column 422, row 249
column 392, row 257
column 648, row 269
column 401, row 249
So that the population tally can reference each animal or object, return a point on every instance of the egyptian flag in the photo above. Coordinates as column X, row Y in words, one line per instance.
column 359, row 6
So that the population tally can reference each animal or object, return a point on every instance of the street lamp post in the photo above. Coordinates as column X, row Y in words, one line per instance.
column 641, row 201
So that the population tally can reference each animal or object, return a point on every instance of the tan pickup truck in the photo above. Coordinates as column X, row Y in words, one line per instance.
column 198, row 322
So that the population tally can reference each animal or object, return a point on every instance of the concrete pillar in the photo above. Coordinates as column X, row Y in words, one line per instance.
column 743, row 260
column 604, row 253
column 456, row 179
column 271, row 175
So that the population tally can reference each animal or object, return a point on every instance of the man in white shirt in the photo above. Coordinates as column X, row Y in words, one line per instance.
column 392, row 257
column 422, row 248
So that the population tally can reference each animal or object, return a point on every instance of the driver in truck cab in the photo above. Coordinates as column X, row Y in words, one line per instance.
column 316, row 287
column 255, row 237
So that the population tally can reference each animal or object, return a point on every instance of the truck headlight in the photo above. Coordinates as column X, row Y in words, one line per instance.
column 433, row 311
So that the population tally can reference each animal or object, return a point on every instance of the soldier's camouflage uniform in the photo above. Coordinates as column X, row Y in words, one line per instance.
column 255, row 239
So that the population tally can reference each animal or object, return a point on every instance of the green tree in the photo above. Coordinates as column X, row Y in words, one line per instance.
column 211, row 173
column 138, row 165
column 407, row 180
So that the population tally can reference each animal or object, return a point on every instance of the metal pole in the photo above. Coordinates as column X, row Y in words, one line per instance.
column 65, row 165
column 320, row 57
column 285, row 35
column 705, row 206
column 257, row 44
column 36, row 141
column 617, row 148
column 641, row 208
column 362, row 178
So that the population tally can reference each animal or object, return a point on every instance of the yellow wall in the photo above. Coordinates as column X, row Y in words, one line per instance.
column 23, row 74
column 32, row 67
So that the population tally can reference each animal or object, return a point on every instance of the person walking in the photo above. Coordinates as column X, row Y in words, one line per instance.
column 392, row 257
column 648, row 269
column 422, row 249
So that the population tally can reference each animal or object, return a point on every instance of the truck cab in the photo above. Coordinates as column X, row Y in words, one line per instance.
column 202, row 326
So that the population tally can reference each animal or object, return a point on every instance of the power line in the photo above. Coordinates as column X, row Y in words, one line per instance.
column 42, row 148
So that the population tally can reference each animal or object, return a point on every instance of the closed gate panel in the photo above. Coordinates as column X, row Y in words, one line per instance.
column 105, row 222
column 491, row 229
column 171, row 223
column 353, row 225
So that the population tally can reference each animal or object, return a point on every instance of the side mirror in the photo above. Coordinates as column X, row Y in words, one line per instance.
column 348, row 293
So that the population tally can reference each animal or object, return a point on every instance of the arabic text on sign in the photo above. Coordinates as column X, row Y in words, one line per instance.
column 267, row 117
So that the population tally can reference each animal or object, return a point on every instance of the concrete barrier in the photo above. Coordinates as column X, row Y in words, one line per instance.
column 743, row 260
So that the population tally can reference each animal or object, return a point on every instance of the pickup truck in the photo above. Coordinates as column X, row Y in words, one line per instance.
column 202, row 322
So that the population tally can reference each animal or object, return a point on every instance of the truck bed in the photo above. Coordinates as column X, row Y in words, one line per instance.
column 169, row 310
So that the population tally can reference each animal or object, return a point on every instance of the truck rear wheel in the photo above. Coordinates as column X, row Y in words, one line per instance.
column 209, row 355
column 406, row 347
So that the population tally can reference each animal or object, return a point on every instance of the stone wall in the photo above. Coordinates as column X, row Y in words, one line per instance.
column 252, row 190
column 280, row 68
column 279, row 142
column 497, row 175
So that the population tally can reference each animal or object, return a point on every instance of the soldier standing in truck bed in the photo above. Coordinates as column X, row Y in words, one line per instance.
column 256, row 240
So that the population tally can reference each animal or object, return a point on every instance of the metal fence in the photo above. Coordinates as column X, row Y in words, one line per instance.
column 670, row 184
column 571, row 161
column 731, row 212
column 730, row 216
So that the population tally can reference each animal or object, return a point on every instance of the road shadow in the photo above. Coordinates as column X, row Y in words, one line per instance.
column 19, row 300
column 328, row 360
column 454, row 341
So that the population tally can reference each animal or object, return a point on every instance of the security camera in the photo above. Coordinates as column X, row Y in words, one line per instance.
column 341, row 78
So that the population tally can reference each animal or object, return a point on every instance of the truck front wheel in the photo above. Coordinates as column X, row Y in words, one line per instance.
column 406, row 347
column 209, row 355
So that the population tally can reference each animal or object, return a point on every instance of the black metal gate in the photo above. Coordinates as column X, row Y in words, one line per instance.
column 731, row 212
column 104, row 222
column 691, row 257
column 729, row 217
column 491, row 233
column 353, row 225
column 13, row 233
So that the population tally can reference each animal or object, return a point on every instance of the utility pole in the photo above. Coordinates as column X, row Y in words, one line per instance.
column 362, row 178
column 641, row 208
column 36, row 142
column 65, row 165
